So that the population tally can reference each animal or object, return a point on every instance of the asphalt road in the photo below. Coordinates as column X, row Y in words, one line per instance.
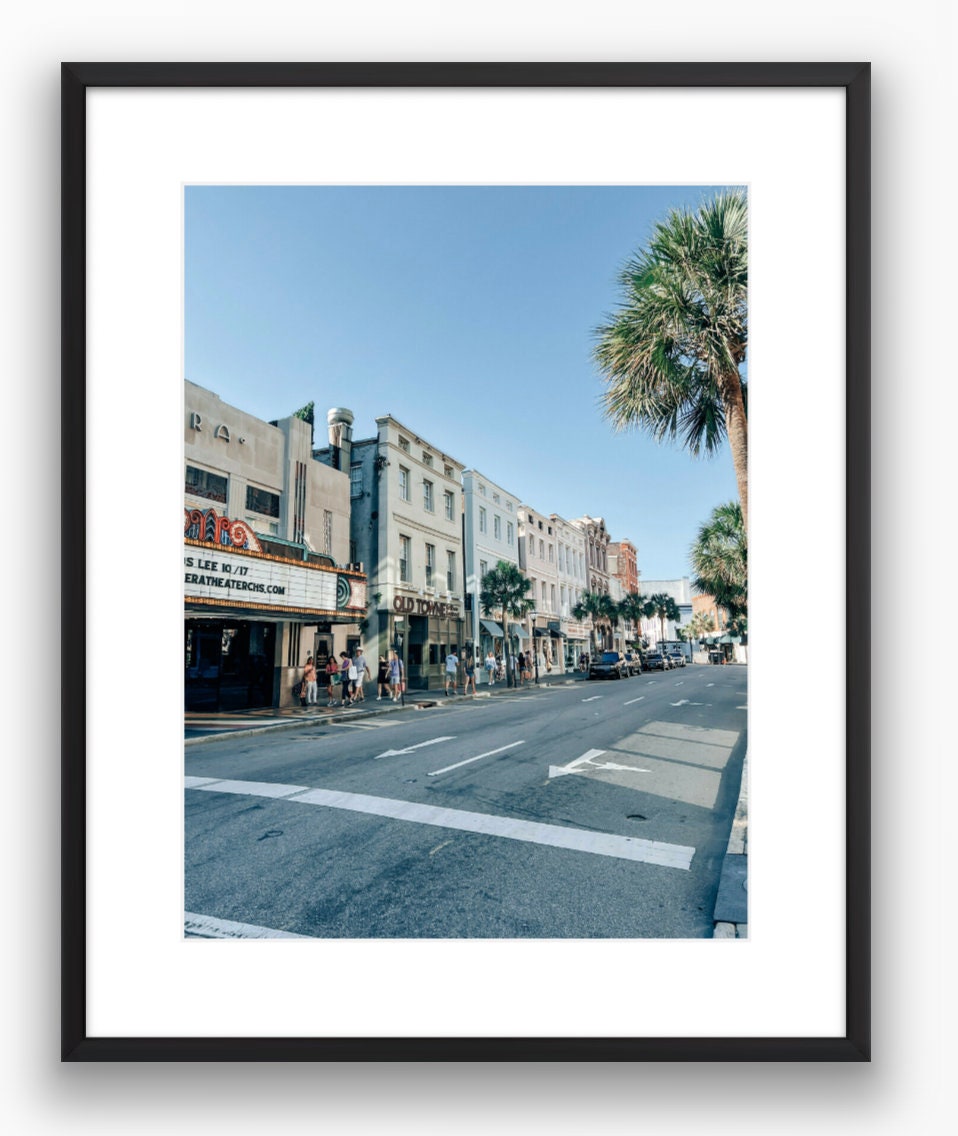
column 592, row 810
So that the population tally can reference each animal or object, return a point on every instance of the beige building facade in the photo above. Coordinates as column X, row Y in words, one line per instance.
column 268, row 578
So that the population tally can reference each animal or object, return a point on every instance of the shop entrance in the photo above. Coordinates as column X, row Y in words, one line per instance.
column 229, row 664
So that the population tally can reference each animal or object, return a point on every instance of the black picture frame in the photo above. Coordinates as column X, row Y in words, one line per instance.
column 854, row 78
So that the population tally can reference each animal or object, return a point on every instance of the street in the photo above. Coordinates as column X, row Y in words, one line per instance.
column 583, row 810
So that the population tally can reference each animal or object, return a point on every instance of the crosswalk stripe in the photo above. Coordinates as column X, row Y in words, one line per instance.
column 485, row 824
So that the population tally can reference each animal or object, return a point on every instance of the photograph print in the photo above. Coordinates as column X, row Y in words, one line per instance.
column 465, row 562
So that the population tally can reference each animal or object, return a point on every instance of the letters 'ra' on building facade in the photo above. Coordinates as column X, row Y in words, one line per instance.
column 267, row 575
column 406, row 528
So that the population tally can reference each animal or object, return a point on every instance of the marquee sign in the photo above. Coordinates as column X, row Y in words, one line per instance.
column 207, row 525
column 234, row 577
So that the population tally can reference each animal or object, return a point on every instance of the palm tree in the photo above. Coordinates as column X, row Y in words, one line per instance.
column 719, row 559
column 610, row 615
column 505, row 589
column 664, row 607
column 632, row 609
column 589, row 606
column 673, row 353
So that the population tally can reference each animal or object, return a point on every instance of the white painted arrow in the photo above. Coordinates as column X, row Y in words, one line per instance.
column 588, row 760
column 685, row 702
column 409, row 749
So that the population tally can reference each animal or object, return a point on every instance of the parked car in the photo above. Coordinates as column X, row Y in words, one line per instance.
column 634, row 661
column 610, row 664
column 656, row 661
column 677, row 658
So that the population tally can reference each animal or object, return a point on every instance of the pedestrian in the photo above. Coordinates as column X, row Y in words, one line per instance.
column 470, row 680
column 491, row 667
column 309, row 678
column 345, row 666
column 452, row 669
column 382, row 679
column 362, row 668
column 332, row 678
column 519, row 668
column 396, row 680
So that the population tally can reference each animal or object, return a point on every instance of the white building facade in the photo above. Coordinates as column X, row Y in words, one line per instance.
column 406, row 527
column 491, row 534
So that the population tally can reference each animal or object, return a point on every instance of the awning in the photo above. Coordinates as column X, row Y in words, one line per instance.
column 558, row 634
column 541, row 633
column 493, row 628
column 518, row 632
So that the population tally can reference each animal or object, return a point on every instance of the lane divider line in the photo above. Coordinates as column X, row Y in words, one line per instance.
column 631, row 700
column 469, row 760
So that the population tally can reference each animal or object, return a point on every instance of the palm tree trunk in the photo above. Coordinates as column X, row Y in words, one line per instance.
column 736, row 426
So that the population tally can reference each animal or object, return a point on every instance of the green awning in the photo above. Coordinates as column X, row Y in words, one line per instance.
column 493, row 628
column 518, row 632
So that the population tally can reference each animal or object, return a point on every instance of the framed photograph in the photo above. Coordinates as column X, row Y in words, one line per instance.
column 449, row 366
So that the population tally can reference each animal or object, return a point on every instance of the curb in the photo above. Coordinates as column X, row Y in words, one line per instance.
column 735, row 865
column 307, row 719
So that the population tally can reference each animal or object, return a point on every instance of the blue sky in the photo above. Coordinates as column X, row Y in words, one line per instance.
column 466, row 312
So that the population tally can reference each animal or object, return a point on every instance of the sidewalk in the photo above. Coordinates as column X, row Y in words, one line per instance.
column 208, row 726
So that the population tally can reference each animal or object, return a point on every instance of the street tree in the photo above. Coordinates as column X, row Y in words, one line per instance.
column 719, row 559
column 674, row 353
column 505, row 589
column 663, row 607
column 590, row 606
column 632, row 609
column 611, row 614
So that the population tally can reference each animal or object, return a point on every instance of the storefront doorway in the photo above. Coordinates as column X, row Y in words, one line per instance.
column 229, row 664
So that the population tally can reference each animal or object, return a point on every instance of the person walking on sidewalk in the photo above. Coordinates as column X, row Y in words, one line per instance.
column 359, row 661
column 491, row 667
column 452, row 669
column 469, row 666
column 382, row 679
column 345, row 665
column 332, row 677
column 309, row 678
column 395, row 676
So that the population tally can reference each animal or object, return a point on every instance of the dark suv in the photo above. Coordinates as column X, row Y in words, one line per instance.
column 610, row 664
column 656, row 661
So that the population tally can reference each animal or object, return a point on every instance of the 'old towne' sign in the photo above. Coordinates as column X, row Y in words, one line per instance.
column 406, row 605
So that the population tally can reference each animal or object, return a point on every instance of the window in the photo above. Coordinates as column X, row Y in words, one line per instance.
column 327, row 532
column 403, row 483
column 353, row 558
column 482, row 520
column 451, row 571
column 430, row 565
column 540, row 526
column 543, row 593
column 427, row 501
column 404, row 565
column 448, row 471
column 495, row 498
column 483, row 570
column 404, row 444
column 552, row 554
column 355, row 481
column 482, row 490
column 510, row 533
column 262, row 501
column 201, row 483
column 561, row 558
column 497, row 527
column 550, row 529
column 450, row 503
column 426, row 458
column 509, row 506
column 542, row 548
column 552, row 597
